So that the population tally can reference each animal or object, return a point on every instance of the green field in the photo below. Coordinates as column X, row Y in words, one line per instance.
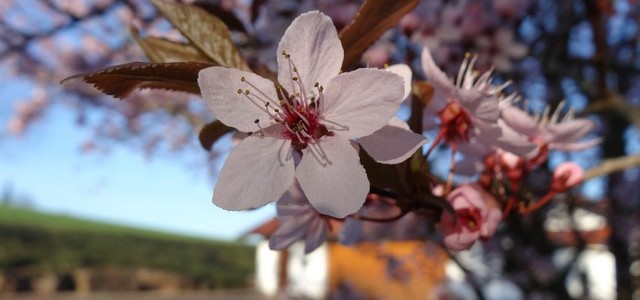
column 56, row 243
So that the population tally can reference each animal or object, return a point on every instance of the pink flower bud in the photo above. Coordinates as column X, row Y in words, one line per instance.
column 566, row 175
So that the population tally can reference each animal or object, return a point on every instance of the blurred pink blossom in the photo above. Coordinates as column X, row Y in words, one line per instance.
column 474, row 219
column 298, row 221
column 557, row 133
column 566, row 175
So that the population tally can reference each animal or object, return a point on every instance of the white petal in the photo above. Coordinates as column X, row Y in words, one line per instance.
column 440, row 80
column 313, row 45
column 575, row 146
column 337, row 189
column 358, row 103
column 255, row 173
column 488, row 109
column 316, row 235
column 520, row 121
column 393, row 143
column 219, row 87
column 570, row 131
column 502, row 136
column 469, row 166
column 291, row 229
column 403, row 71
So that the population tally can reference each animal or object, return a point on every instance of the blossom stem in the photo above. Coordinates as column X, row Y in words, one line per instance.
column 526, row 210
column 436, row 141
column 402, row 213
column 512, row 199
column 452, row 169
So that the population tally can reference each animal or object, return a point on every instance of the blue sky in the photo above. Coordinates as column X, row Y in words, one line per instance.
column 121, row 186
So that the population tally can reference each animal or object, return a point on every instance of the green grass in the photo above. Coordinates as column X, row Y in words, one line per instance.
column 17, row 216
column 58, row 243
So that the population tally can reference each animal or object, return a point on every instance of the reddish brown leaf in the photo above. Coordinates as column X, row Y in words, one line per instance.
column 211, row 132
column 207, row 32
column 227, row 16
column 159, row 50
column 119, row 81
column 372, row 20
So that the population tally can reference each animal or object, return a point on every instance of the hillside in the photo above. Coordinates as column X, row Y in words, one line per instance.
column 41, row 243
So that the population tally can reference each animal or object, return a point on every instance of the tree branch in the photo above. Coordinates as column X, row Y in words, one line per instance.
column 613, row 165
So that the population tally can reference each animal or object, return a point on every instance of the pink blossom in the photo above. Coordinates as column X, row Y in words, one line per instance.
column 550, row 130
column 566, row 175
column 310, row 120
column 298, row 221
column 469, row 110
column 474, row 220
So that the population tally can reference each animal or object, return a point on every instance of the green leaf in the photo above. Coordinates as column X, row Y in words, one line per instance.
column 118, row 81
column 211, row 132
column 373, row 19
column 160, row 50
column 207, row 32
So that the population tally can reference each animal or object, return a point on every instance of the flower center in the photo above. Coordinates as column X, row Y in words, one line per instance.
column 298, row 109
column 302, row 126
column 455, row 121
column 469, row 218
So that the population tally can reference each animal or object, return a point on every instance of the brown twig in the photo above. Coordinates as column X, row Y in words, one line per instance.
column 613, row 165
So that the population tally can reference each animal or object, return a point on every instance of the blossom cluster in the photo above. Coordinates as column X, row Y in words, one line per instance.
column 305, row 134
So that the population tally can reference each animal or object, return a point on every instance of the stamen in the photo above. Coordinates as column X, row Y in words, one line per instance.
column 306, row 121
column 338, row 128
column 556, row 113
column 470, row 73
column 293, row 70
column 306, row 134
column 286, row 156
column 255, row 88
column 570, row 114
column 545, row 115
column 315, row 155
column 261, row 131
column 462, row 69
column 503, row 86
column 321, row 152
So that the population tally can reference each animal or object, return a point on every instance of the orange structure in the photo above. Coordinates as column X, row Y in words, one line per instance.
column 382, row 270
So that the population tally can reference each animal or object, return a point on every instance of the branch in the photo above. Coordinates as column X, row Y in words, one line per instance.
column 613, row 165
column 73, row 21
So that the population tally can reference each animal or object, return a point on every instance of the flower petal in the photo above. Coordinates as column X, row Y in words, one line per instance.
column 502, row 136
column 574, row 147
column 520, row 121
column 316, row 234
column 291, row 230
column 486, row 107
column 570, row 131
column 358, row 103
column 489, row 225
column 255, row 173
column 219, row 87
column 393, row 143
column 435, row 75
column 313, row 45
column 403, row 71
column 514, row 142
column 336, row 189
